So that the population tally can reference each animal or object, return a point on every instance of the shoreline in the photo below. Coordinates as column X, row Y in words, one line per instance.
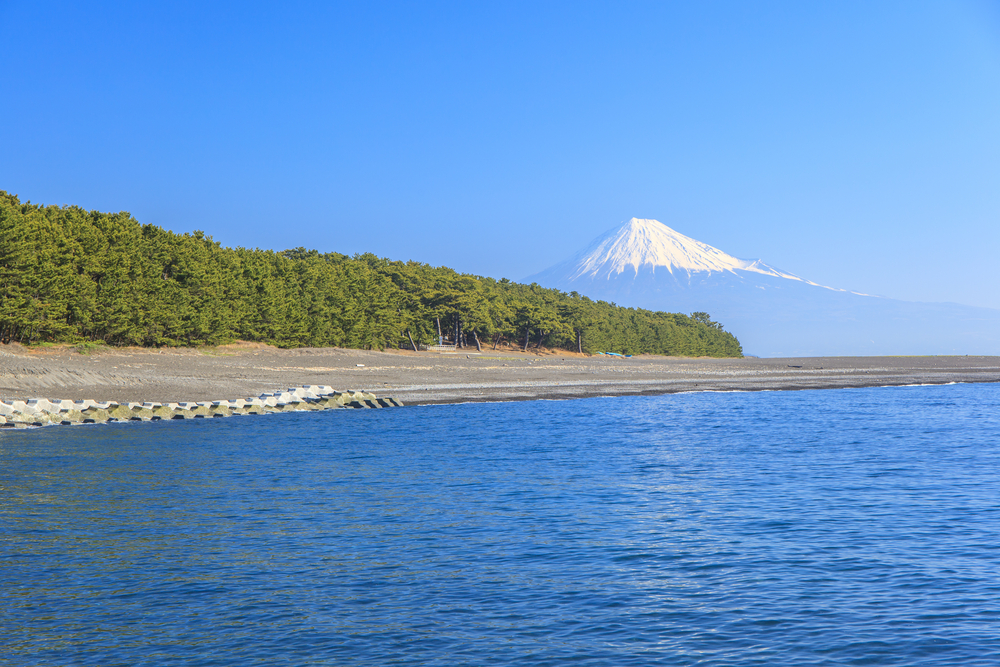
column 245, row 369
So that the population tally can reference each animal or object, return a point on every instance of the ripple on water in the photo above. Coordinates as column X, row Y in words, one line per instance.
column 777, row 528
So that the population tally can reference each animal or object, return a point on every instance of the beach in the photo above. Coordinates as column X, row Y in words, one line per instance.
column 248, row 369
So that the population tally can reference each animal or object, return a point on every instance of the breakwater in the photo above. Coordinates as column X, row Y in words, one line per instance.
column 47, row 412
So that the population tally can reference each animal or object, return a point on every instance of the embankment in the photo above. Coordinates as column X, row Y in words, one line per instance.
column 139, row 375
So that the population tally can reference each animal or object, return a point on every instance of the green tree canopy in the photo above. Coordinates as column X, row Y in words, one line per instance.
column 70, row 275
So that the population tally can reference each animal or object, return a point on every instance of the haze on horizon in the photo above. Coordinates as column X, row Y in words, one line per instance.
column 855, row 145
column 646, row 264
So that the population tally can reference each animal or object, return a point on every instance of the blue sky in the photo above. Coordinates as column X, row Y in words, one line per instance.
column 854, row 143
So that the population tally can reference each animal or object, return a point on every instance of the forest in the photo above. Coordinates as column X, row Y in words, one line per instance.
column 71, row 275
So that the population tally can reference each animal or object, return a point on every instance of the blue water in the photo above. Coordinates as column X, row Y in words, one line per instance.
column 837, row 527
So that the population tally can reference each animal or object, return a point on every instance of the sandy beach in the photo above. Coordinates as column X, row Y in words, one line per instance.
column 243, row 369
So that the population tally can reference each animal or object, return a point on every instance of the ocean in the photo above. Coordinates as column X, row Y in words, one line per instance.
column 833, row 527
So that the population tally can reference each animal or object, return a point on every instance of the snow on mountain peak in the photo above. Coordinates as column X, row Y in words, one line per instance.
column 639, row 242
column 640, row 245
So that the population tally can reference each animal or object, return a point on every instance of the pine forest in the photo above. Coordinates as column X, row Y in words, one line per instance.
column 71, row 275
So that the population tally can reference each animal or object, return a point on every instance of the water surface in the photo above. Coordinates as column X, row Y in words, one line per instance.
column 778, row 528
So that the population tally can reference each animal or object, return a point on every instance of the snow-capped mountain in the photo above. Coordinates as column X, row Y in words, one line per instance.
column 645, row 264
column 640, row 244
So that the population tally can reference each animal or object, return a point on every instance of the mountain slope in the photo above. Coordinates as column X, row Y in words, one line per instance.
column 644, row 263
column 649, row 243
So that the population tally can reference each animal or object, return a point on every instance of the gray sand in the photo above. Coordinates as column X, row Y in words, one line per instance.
column 242, row 370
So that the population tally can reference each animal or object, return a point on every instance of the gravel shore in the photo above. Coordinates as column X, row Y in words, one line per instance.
column 240, row 370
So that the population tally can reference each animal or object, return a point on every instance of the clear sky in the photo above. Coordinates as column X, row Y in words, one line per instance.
column 856, row 144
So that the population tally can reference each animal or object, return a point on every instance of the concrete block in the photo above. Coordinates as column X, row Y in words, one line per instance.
column 41, row 405
column 317, row 390
column 162, row 412
column 120, row 412
column 29, row 418
column 253, row 406
column 95, row 415
column 140, row 412
column 39, row 411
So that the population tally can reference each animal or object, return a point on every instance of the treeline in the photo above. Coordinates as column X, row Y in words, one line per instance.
column 70, row 275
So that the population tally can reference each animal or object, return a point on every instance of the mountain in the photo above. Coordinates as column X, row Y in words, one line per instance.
column 645, row 264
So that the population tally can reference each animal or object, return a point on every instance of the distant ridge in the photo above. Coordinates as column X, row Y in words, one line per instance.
column 644, row 263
